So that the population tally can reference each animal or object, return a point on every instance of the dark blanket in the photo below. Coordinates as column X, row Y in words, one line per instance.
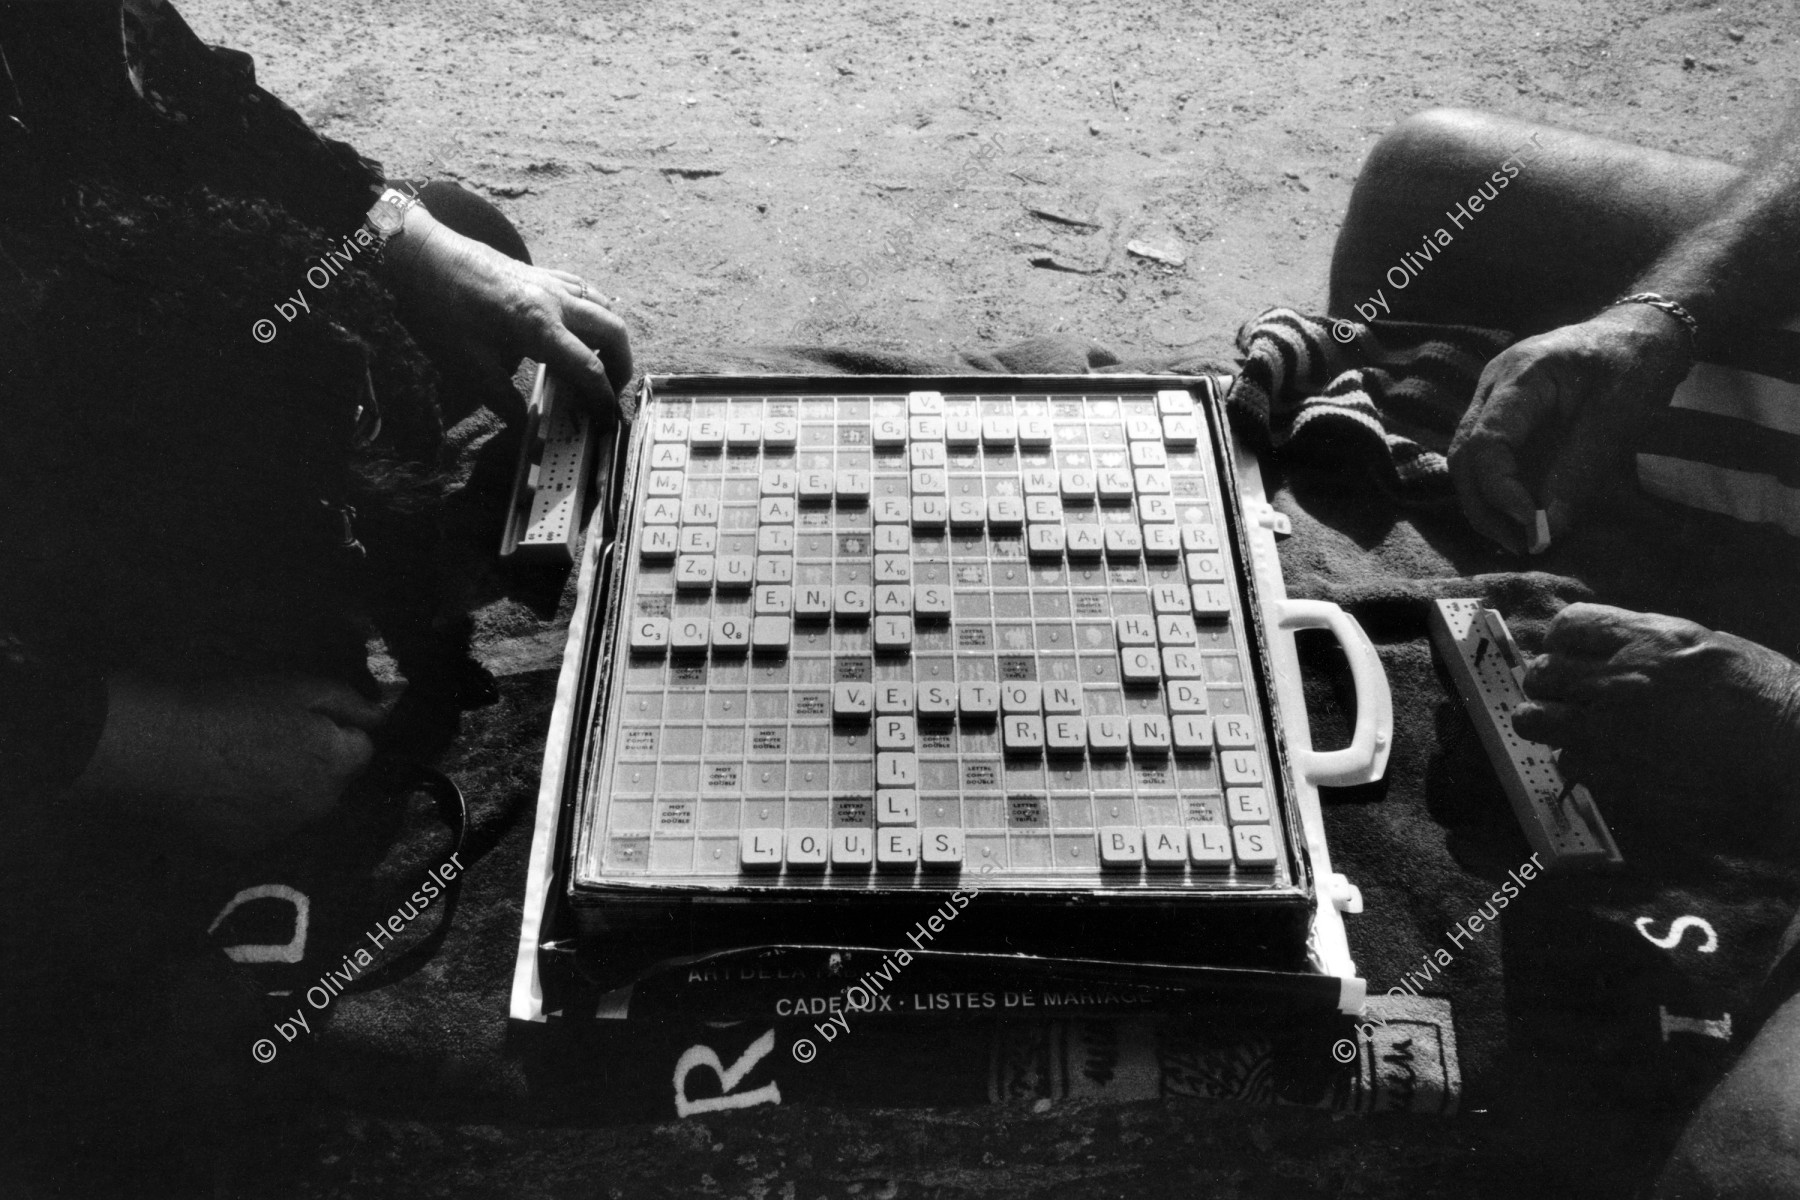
column 1589, row 1018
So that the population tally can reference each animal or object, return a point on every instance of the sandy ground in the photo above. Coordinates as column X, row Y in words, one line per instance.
column 770, row 172
column 763, row 171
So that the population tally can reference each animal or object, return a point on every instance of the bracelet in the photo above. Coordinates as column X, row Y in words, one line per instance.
column 1662, row 303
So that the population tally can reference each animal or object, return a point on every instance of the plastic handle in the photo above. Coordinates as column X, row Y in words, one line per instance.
column 1364, row 760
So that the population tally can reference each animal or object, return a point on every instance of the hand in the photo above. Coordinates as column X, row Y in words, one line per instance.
column 1553, row 415
column 462, row 294
column 238, row 762
column 1664, row 702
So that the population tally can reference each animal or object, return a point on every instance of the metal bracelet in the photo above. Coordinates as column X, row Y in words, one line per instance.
column 1662, row 303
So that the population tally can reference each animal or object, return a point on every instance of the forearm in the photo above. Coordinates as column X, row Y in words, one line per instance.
column 1737, row 268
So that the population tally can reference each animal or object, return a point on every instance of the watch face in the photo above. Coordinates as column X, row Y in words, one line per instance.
column 386, row 218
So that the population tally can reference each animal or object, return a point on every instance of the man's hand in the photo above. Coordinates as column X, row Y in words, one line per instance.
column 1666, row 702
column 463, row 294
column 236, row 762
column 1552, row 417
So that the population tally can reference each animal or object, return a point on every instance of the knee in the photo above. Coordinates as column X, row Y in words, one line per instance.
column 1429, row 142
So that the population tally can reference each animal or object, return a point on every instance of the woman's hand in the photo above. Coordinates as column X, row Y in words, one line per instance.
column 460, row 293
column 236, row 762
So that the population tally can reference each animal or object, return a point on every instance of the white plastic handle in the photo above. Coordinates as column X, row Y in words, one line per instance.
column 1364, row 760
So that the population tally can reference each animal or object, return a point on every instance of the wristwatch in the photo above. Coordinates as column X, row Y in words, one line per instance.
column 388, row 216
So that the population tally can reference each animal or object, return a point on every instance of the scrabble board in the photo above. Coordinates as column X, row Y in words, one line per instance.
column 864, row 641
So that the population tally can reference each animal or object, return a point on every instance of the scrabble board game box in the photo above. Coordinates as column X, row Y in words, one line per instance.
column 975, row 665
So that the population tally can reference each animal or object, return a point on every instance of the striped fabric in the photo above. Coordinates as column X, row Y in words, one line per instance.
column 1392, row 393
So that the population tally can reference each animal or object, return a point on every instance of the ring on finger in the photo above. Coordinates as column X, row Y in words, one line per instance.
column 583, row 293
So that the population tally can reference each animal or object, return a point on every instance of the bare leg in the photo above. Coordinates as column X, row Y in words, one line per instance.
column 1568, row 233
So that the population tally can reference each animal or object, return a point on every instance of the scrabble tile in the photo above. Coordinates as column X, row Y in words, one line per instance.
column 852, row 600
column 852, row 847
column 1135, row 631
column 1255, row 846
column 780, row 433
column 896, row 769
column 978, row 699
column 1212, row 602
column 1085, row 541
column 697, row 511
column 941, row 847
column 1078, row 485
column 1192, row 732
column 1121, row 846
column 1066, row 733
column 893, row 598
column 937, row 699
column 1176, row 629
column 1041, row 481
column 774, row 568
column 999, row 430
column 1148, row 454
column 771, row 633
column 775, row 510
column 928, row 481
column 1181, row 431
column 1022, row 732
column 670, row 429
column 926, row 428
column 1045, row 541
column 930, row 512
column 706, row 434
column 893, row 633
column 1062, row 698
column 1114, row 485
column 1005, row 512
column 1187, row 696
column 894, row 697
column 1140, row 664
column 694, row 571
column 1247, row 805
column 1181, row 662
column 807, row 847
column 734, row 571
column 775, row 539
column 896, row 806
column 650, row 633
column 891, row 511
column 889, row 432
column 779, row 482
column 925, row 403
column 896, row 848
column 931, row 600
column 760, row 849
column 658, row 543
column 893, row 568
column 1239, row 766
column 967, row 512
column 1171, row 402
column 1234, row 731
column 1021, row 696
column 1123, row 541
column 1209, row 846
column 1150, row 733
column 852, row 700
column 668, row 457
column 774, row 598
column 698, row 539
column 1108, row 734
column 731, row 633
column 1151, row 481
column 690, row 633
column 1165, row 847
